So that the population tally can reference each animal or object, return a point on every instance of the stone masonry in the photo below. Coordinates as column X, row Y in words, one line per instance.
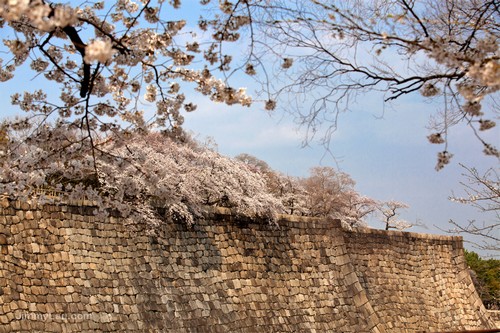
column 62, row 270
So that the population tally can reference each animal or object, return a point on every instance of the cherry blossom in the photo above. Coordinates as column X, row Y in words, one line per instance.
column 390, row 212
column 98, row 50
column 481, row 191
column 446, row 50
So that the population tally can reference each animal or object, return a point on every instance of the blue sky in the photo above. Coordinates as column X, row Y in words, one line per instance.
column 384, row 149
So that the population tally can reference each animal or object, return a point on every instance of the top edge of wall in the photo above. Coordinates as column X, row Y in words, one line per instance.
column 318, row 222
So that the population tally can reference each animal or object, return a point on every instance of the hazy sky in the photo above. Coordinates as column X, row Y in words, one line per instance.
column 384, row 149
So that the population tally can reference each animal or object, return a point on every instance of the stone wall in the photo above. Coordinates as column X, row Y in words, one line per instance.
column 415, row 278
column 61, row 270
column 495, row 315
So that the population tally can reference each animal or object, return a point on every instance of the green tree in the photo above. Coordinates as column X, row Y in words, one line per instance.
column 485, row 274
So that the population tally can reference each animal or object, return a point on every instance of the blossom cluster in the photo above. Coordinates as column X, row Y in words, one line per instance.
column 93, row 139
column 137, row 175
column 98, row 50
column 153, row 178
column 444, row 158
column 119, row 56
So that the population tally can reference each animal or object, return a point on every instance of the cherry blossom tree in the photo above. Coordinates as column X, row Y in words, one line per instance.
column 326, row 189
column 390, row 212
column 326, row 192
column 481, row 191
column 333, row 52
column 148, row 178
column 289, row 190
column 109, row 60
column 356, row 210
column 331, row 193
column 108, row 65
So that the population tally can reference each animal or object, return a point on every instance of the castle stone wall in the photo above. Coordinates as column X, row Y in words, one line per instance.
column 415, row 278
column 62, row 270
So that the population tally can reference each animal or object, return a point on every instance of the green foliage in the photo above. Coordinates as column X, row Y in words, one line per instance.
column 486, row 277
